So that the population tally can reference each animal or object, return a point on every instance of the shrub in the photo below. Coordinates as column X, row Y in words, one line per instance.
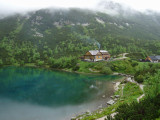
column 134, row 63
column 148, row 109
column 1, row 62
column 75, row 68
column 106, row 70
column 21, row 62
column 40, row 63
column 136, row 56
column 139, row 78
column 64, row 62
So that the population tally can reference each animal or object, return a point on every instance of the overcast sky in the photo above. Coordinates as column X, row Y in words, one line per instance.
column 10, row 6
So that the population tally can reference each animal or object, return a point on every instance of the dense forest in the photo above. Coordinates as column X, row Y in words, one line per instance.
column 52, row 33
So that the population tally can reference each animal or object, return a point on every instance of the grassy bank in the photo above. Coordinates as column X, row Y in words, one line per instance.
column 128, row 94
column 127, row 106
column 76, row 65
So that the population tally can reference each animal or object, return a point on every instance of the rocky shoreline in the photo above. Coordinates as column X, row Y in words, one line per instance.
column 114, row 98
column 128, row 78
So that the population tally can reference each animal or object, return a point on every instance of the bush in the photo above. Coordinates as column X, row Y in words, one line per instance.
column 1, row 62
column 21, row 62
column 139, row 78
column 64, row 62
column 51, row 60
column 106, row 70
column 75, row 68
column 40, row 63
column 136, row 56
column 134, row 63
column 148, row 109
column 122, row 66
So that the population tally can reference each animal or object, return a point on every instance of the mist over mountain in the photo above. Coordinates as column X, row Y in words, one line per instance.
column 111, row 7
column 72, row 31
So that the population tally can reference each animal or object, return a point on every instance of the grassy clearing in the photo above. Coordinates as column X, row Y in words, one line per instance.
column 131, row 92
column 30, row 65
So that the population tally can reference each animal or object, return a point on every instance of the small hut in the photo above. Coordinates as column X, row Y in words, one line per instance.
column 96, row 55
column 153, row 59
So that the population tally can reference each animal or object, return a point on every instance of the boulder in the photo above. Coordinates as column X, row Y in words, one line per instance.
column 99, row 107
column 112, row 97
column 115, row 99
column 73, row 118
column 88, row 112
column 117, row 96
column 111, row 102
column 113, row 114
column 80, row 118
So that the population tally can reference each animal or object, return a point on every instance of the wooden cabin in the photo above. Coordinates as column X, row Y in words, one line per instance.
column 153, row 59
column 96, row 55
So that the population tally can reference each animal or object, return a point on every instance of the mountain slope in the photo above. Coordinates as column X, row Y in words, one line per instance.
column 59, row 32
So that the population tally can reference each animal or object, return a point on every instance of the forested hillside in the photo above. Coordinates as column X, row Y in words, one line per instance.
column 53, row 33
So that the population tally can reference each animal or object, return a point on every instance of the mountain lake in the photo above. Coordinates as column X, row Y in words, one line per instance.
column 40, row 94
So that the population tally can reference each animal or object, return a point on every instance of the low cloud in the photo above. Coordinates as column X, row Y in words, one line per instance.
column 8, row 7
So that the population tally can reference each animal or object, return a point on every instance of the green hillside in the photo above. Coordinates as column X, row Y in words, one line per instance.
column 47, row 33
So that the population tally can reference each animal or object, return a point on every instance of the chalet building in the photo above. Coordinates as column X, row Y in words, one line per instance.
column 96, row 55
column 153, row 59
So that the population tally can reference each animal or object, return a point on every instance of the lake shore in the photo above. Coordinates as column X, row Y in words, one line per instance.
column 107, row 102
column 115, row 87
column 126, row 91
column 33, row 65
column 95, row 90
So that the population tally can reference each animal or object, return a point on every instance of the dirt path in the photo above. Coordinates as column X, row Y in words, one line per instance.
column 138, row 99
column 141, row 86
column 123, row 56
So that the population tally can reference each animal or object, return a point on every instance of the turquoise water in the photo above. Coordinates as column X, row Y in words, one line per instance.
column 46, row 94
